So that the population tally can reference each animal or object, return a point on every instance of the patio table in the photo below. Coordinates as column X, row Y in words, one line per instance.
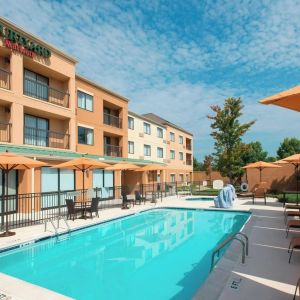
column 83, row 204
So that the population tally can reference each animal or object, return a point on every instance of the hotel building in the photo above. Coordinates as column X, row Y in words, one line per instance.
column 50, row 113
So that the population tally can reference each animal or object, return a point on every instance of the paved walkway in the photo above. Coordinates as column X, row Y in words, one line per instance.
column 266, row 274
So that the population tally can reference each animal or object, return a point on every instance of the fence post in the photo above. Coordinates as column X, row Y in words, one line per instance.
column 176, row 188
column 58, row 199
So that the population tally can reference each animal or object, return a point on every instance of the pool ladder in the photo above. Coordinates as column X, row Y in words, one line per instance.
column 244, row 243
column 56, row 227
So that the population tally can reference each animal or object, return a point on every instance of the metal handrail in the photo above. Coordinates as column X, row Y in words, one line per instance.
column 51, row 221
column 245, row 247
column 65, row 221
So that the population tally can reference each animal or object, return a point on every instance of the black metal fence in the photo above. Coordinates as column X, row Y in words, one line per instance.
column 4, row 79
column 5, row 132
column 112, row 120
column 34, row 208
column 112, row 150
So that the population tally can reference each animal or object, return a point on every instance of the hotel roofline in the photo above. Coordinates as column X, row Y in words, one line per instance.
column 145, row 118
column 97, row 85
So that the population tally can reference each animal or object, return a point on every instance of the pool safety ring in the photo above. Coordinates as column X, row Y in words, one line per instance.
column 244, row 186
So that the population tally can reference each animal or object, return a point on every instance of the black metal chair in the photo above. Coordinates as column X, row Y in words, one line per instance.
column 94, row 207
column 125, row 202
column 72, row 210
column 139, row 198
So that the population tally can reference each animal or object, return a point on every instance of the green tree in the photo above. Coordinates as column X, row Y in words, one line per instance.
column 253, row 152
column 197, row 166
column 207, row 165
column 228, row 132
column 288, row 147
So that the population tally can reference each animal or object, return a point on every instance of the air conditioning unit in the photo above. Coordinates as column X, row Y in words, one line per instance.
column 167, row 161
column 141, row 157
column 164, row 141
column 141, row 134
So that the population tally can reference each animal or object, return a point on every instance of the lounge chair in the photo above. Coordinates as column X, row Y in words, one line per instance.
column 297, row 286
column 139, row 198
column 94, row 207
column 291, row 213
column 291, row 206
column 72, row 210
column 292, row 224
column 294, row 244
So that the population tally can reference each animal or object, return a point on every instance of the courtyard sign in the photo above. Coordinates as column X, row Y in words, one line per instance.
column 16, row 41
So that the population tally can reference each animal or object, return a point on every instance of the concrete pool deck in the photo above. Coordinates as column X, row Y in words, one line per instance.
column 265, row 275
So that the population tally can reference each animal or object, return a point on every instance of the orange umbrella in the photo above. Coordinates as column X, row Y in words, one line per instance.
column 151, row 167
column 122, row 166
column 10, row 161
column 260, row 165
column 294, row 160
column 82, row 164
column 288, row 99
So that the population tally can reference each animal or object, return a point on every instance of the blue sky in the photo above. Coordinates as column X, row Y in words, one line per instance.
column 176, row 58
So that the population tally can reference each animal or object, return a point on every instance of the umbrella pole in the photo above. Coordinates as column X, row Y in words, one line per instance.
column 7, row 232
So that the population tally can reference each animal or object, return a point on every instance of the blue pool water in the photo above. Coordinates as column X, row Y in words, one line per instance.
column 158, row 254
column 200, row 199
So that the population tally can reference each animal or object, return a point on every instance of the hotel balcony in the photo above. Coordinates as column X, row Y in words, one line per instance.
column 46, row 138
column 112, row 120
column 4, row 79
column 112, row 150
column 45, row 92
column 188, row 144
column 5, row 132
column 188, row 160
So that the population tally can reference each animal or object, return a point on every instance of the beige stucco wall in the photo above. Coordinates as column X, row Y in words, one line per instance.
column 140, row 138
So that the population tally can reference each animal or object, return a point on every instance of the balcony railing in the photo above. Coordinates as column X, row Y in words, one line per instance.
column 112, row 120
column 4, row 79
column 188, row 147
column 46, row 93
column 5, row 132
column 46, row 138
column 112, row 150
column 189, row 162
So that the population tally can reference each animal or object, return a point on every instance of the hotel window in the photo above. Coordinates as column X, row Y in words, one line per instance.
column 85, row 136
column 172, row 154
column 172, row 177
column 181, row 177
column 104, row 180
column 160, row 152
column 147, row 128
column 53, row 180
column 36, row 131
column 172, row 136
column 147, row 150
column 85, row 101
column 160, row 133
column 130, row 123
column 130, row 147
column 180, row 155
column 181, row 139
column 36, row 85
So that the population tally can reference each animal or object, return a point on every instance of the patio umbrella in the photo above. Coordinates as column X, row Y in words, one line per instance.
column 10, row 161
column 260, row 165
column 82, row 164
column 288, row 99
column 294, row 160
column 151, row 167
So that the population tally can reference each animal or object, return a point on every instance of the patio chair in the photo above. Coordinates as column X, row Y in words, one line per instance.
column 260, row 192
column 292, row 224
column 126, row 203
column 139, row 198
column 297, row 286
column 94, row 207
column 294, row 244
column 72, row 210
column 291, row 206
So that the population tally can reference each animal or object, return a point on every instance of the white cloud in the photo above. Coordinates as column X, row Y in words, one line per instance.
column 177, row 59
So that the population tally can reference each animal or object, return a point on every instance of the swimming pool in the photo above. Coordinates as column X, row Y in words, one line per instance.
column 157, row 254
column 200, row 198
